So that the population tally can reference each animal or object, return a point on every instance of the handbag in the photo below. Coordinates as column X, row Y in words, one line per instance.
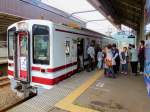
column 108, row 62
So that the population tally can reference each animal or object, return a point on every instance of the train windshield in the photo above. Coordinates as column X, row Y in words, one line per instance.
column 11, row 35
column 40, row 44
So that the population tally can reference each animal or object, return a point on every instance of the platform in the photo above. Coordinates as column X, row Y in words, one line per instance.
column 46, row 101
column 91, row 92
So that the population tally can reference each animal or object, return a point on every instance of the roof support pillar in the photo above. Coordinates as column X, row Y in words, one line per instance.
column 140, row 32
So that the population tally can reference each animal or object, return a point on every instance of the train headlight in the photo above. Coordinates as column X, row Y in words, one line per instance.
column 22, row 26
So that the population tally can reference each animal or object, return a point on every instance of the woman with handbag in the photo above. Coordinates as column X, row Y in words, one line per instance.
column 109, row 63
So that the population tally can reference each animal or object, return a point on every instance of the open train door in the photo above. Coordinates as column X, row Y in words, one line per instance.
column 80, row 53
column 68, row 54
column 22, row 60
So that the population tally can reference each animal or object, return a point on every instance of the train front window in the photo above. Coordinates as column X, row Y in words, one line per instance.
column 23, row 45
column 11, row 35
column 40, row 44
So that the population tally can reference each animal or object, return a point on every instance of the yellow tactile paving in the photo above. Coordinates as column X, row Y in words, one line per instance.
column 67, row 102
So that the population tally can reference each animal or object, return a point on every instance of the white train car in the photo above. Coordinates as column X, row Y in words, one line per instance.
column 42, row 53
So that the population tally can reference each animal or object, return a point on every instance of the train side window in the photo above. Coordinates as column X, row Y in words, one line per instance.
column 11, row 35
column 67, row 48
column 41, row 49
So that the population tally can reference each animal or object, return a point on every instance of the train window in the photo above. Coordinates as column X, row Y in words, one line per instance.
column 67, row 48
column 40, row 44
column 11, row 35
column 23, row 47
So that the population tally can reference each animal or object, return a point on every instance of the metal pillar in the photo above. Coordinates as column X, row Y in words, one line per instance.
column 140, row 32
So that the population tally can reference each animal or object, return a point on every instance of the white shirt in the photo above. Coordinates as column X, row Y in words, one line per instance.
column 91, row 51
column 99, row 56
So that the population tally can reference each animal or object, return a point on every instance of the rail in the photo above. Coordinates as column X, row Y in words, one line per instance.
column 18, row 103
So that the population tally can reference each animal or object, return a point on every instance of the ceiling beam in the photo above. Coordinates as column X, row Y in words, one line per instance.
column 130, row 21
column 129, row 5
column 130, row 24
column 9, row 19
column 130, row 18
column 129, row 11
column 96, row 20
column 107, row 4
column 83, row 12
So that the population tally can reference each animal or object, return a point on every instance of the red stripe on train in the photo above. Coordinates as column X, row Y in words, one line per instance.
column 51, row 69
column 55, row 69
column 47, row 81
column 9, row 72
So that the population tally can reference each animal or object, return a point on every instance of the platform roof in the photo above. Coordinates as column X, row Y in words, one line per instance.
column 127, row 12
column 7, row 20
column 83, row 10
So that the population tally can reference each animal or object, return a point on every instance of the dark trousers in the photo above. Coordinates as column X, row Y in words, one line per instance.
column 117, row 65
column 115, row 68
column 134, row 67
column 124, row 67
column 141, row 65
column 90, row 64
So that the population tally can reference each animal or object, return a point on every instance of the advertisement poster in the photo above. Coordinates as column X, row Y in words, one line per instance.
column 147, row 66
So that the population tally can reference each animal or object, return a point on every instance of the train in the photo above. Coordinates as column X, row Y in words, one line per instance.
column 42, row 53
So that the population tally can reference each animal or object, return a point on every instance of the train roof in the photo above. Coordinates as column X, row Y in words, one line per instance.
column 43, row 21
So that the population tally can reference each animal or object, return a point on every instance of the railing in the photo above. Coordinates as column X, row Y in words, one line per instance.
column 3, row 49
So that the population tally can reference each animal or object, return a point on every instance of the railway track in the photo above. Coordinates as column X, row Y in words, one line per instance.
column 16, row 104
column 4, row 81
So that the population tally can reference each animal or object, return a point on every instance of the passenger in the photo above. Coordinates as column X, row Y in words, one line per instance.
column 124, row 61
column 91, row 57
column 104, row 56
column 104, row 61
column 80, row 58
column 99, row 58
column 134, row 59
column 141, row 56
column 115, row 51
column 96, row 53
column 108, row 62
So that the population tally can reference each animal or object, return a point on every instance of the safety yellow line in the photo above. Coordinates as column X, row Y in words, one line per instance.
column 67, row 102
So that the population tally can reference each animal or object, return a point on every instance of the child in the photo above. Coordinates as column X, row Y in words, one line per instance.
column 124, row 61
column 99, row 58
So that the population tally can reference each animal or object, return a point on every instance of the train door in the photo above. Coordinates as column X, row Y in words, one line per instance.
column 80, row 53
column 22, row 56
column 68, row 55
